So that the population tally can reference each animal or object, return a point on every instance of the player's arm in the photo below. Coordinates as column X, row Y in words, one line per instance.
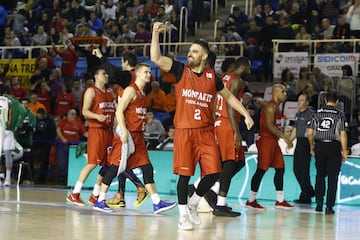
column 293, row 134
column 9, row 114
column 310, row 137
column 126, row 99
column 270, row 111
column 88, row 100
column 237, row 105
column 163, row 62
column 234, row 89
column 343, row 140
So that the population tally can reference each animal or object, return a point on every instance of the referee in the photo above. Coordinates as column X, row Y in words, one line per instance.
column 327, row 131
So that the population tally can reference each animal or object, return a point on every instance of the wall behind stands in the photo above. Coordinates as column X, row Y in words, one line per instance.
column 348, row 185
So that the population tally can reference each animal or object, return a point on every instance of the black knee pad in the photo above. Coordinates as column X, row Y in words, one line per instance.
column 110, row 174
column 103, row 170
column 148, row 173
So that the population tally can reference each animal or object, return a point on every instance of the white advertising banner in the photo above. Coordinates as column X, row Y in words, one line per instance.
column 332, row 63
column 292, row 60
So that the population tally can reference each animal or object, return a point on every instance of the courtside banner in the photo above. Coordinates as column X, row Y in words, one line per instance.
column 332, row 63
column 292, row 60
column 22, row 68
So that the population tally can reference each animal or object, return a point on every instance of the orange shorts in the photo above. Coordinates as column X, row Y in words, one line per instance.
column 196, row 145
column 225, row 138
column 139, row 158
column 269, row 153
column 98, row 145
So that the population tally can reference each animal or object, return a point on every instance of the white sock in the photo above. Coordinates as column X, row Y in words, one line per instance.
column 96, row 190
column 221, row 201
column 102, row 196
column 78, row 187
column 196, row 183
column 8, row 174
column 194, row 200
column 182, row 209
column 280, row 196
column 155, row 198
column 252, row 196
column 216, row 187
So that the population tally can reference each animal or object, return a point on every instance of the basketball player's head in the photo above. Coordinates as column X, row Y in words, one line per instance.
column 100, row 75
column 279, row 93
column 128, row 61
column 143, row 72
column 198, row 53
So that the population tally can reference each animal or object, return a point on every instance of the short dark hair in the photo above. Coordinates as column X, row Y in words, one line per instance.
column 242, row 61
column 131, row 58
column 203, row 44
column 95, row 70
column 332, row 96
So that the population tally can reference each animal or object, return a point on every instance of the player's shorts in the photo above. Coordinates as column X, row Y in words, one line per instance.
column 98, row 145
column 269, row 153
column 139, row 158
column 9, row 141
column 225, row 138
column 196, row 145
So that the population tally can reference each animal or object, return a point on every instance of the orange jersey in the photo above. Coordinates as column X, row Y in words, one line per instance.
column 195, row 96
column 103, row 103
column 135, row 114
column 221, row 109
column 264, row 131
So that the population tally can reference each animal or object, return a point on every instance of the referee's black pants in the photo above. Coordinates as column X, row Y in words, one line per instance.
column 302, row 158
column 328, row 162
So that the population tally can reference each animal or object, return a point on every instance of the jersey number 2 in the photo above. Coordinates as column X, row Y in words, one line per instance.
column 197, row 115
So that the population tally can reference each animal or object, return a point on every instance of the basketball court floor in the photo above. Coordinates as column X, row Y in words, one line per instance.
column 42, row 213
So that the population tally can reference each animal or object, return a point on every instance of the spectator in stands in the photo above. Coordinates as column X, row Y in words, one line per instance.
column 305, row 38
column 129, row 19
column 161, row 16
column 142, row 36
column 317, row 34
column 154, row 126
column 76, row 11
column 330, row 10
column 353, row 16
column 17, row 91
column 55, row 83
column 44, row 137
column 345, row 88
column 13, row 41
column 110, row 11
column 355, row 133
column 267, row 34
column 68, row 65
column 175, row 27
column 248, row 135
column 319, row 77
column 232, row 34
column 44, row 54
column 304, row 78
column 126, row 32
column 151, row 7
column 3, row 21
column 251, row 40
column 95, row 23
column 39, row 39
column 19, row 20
column 156, row 98
column 137, row 6
column 41, row 73
column 44, row 95
column 328, row 29
column 258, row 15
column 295, row 16
column 268, row 11
column 97, row 8
column 69, row 131
column 239, row 20
column 168, row 7
column 65, row 35
column 312, row 95
column 285, row 31
column 57, row 23
column 77, row 90
column 289, row 81
column 65, row 101
column 341, row 31
column 144, row 18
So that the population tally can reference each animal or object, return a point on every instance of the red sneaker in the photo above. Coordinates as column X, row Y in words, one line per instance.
column 254, row 204
column 93, row 199
column 284, row 205
column 74, row 198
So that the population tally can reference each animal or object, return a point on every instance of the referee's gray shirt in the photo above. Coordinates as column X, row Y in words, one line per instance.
column 302, row 122
column 328, row 122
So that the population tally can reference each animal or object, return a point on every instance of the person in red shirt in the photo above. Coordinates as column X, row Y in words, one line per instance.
column 64, row 102
column 44, row 95
column 44, row 54
column 68, row 66
column 69, row 132
column 17, row 91
column 196, row 88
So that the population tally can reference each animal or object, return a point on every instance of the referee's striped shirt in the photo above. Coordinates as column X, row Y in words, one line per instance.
column 327, row 123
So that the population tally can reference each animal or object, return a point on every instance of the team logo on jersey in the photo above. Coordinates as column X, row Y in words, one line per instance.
column 209, row 75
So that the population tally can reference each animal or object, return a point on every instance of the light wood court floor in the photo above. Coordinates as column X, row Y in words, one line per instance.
column 42, row 213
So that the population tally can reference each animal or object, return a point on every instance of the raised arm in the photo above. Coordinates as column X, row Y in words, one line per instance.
column 162, row 62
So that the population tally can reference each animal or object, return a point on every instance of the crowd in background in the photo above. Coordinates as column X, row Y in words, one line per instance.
column 56, row 92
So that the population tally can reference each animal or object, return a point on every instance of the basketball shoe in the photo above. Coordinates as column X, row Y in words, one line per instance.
column 254, row 204
column 117, row 201
column 93, row 199
column 142, row 195
column 163, row 206
column 102, row 207
column 74, row 198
